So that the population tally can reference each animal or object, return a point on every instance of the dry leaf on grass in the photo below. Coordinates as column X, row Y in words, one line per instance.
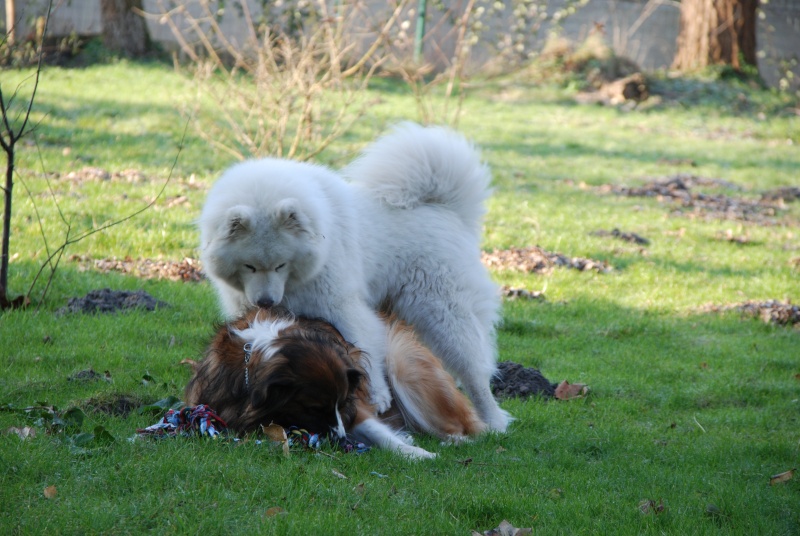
column 649, row 506
column 50, row 492
column 504, row 529
column 715, row 512
column 567, row 391
column 277, row 434
column 274, row 511
column 23, row 433
column 781, row 477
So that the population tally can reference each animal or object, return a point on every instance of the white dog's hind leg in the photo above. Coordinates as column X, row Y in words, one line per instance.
column 375, row 432
column 465, row 345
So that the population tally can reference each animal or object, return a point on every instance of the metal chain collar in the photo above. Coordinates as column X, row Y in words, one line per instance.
column 248, row 351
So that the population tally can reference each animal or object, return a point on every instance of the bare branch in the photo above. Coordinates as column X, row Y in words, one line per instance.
column 58, row 252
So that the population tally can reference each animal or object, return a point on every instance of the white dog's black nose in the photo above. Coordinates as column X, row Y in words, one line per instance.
column 265, row 303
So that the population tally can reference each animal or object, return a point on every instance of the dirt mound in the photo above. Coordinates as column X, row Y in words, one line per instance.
column 109, row 301
column 513, row 380
column 534, row 259
column 682, row 190
column 770, row 311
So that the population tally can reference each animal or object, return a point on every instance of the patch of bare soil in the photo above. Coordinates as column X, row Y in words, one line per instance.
column 534, row 259
column 185, row 270
column 132, row 176
column 770, row 311
column 631, row 88
column 512, row 293
column 110, row 301
column 782, row 195
column 626, row 237
column 89, row 174
column 513, row 380
column 117, row 405
column 530, row 259
column 89, row 375
column 682, row 191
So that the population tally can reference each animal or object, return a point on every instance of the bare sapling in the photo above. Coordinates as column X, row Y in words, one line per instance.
column 17, row 124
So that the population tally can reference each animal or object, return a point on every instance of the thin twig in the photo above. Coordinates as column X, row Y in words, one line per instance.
column 57, row 254
column 698, row 424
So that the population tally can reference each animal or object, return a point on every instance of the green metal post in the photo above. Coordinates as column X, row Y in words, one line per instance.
column 421, row 6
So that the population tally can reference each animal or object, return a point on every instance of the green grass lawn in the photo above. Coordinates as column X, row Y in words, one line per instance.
column 690, row 409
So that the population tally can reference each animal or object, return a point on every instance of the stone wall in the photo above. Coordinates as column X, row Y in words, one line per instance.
column 643, row 30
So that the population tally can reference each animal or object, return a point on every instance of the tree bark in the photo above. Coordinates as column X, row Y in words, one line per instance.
column 716, row 32
column 124, row 30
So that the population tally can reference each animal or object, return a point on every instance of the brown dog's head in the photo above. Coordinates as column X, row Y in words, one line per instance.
column 293, row 372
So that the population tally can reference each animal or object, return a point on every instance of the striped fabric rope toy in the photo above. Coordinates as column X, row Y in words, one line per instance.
column 199, row 420
column 202, row 421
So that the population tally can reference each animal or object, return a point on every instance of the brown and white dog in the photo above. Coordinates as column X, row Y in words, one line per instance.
column 272, row 367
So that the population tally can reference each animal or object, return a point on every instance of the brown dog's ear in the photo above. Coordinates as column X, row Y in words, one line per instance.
column 273, row 393
column 354, row 379
column 266, row 402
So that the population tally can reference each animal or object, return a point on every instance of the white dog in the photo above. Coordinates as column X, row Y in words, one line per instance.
column 402, row 234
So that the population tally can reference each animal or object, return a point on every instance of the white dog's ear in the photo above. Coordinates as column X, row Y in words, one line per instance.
column 238, row 221
column 289, row 216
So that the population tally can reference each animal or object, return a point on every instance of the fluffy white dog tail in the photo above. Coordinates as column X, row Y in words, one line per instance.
column 414, row 165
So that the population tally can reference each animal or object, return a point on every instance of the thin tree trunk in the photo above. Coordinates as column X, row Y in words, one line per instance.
column 716, row 32
column 11, row 22
column 4, row 258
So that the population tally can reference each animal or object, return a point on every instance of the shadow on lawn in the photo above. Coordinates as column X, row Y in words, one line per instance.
column 539, row 146
column 95, row 126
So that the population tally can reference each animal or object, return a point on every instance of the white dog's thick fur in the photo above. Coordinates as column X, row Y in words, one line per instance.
column 401, row 232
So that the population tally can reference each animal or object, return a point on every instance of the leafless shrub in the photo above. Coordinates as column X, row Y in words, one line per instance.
column 16, row 124
column 464, row 38
column 286, row 82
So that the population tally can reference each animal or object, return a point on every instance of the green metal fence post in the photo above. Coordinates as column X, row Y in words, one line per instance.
column 421, row 7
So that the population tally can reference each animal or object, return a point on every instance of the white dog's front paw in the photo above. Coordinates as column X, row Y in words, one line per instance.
column 497, row 420
column 415, row 453
column 380, row 396
column 456, row 439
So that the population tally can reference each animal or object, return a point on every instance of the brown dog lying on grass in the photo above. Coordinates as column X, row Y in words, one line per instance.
column 272, row 367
